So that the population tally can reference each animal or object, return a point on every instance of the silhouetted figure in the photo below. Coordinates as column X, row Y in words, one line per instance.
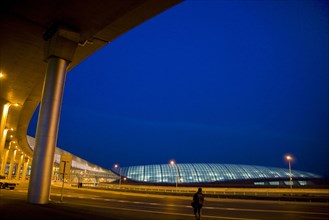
column 197, row 203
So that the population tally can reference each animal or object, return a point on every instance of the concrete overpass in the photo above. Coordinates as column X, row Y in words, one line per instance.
column 40, row 42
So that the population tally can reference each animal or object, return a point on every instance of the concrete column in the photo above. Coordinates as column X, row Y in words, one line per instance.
column 53, row 172
column 12, row 163
column 18, row 169
column 59, row 51
column 4, row 108
column 26, row 164
column 3, row 142
column 2, row 105
column 4, row 162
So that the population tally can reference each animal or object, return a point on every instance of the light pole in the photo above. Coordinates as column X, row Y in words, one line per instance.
column 172, row 162
column 289, row 158
column 120, row 172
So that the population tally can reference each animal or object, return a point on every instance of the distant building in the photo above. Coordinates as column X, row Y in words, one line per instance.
column 184, row 173
column 212, row 173
column 82, row 171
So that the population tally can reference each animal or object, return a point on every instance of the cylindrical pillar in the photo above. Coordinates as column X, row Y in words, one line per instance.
column 4, row 161
column 26, row 164
column 4, row 113
column 60, row 47
column 47, row 130
column 18, row 168
column 3, row 142
column 4, row 108
column 12, row 163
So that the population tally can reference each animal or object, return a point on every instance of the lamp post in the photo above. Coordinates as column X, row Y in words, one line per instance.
column 172, row 162
column 289, row 158
column 120, row 172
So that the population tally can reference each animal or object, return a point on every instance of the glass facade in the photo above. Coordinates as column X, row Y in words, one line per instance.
column 81, row 169
column 207, row 173
column 184, row 172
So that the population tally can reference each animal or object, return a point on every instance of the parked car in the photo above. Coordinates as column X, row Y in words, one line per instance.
column 6, row 184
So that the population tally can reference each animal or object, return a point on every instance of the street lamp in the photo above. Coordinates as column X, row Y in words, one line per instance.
column 289, row 158
column 120, row 171
column 172, row 162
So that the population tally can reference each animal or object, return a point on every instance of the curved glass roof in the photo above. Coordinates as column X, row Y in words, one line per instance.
column 77, row 162
column 207, row 172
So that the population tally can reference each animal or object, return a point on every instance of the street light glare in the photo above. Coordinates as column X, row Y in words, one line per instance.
column 120, row 172
column 288, row 157
column 172, row 162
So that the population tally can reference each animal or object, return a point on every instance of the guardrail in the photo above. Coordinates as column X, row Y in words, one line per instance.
column 310, row 195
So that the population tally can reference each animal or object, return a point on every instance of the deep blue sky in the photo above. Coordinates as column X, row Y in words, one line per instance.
column 241, row 82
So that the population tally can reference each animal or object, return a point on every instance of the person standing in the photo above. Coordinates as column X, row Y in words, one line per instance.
column 198, row 199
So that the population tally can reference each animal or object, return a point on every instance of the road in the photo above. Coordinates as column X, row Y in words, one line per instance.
column 94, row 204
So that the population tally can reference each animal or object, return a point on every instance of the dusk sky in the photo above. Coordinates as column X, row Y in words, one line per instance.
column 242, row 82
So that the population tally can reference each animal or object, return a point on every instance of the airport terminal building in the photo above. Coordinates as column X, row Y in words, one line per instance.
column 183, row 174
column 82, row 171
column 216, row 174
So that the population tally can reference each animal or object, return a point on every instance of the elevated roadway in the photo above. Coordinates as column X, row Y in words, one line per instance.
column 23, row 25
column 40, row 42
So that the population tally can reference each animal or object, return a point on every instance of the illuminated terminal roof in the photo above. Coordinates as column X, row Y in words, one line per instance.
column 212, row 173
column 77, row 162
column 192, row 173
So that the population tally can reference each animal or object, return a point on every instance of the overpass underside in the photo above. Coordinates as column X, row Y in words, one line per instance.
column 40, row 42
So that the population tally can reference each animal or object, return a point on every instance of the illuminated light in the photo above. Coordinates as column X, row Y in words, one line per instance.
column 5, row 110
column 288, row 157
column 2, row 76
column 5, row 132
column 11, row 136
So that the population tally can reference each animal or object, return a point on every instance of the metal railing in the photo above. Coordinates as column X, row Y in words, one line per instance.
column 318, row 195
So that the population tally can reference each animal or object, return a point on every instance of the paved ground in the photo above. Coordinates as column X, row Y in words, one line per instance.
column 99, row 205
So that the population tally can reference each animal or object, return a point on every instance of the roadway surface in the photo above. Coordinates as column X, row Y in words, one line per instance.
column 82, row 203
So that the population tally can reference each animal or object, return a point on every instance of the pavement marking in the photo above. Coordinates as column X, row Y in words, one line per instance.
column 229, row 209
column 209, row 207
column 169, row 213
column 312, row 218
column 273, row 211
